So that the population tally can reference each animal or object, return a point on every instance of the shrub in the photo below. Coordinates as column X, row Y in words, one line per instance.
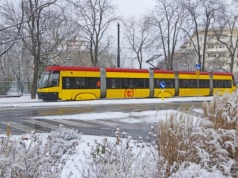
column 209, row 142
column 35, row 155
column 121, row 158
column 222, row 111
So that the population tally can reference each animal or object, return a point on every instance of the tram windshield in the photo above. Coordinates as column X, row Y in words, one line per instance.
column 49, row 79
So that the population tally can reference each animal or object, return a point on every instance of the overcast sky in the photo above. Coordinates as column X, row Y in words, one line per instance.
column 129, row 8
column 134, row 7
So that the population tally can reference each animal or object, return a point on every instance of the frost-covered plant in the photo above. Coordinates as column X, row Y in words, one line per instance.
column 64, row 133
column 210, row 143
column 222, row 111
column 188, row 169
column 175, row 141
column 122, row 158
column 34, row 156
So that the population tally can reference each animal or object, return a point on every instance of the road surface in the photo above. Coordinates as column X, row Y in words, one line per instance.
column 21, row 119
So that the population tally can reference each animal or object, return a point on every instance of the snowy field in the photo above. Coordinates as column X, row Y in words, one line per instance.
column 72, row 167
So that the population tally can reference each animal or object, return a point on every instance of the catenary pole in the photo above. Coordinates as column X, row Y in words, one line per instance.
column 118, row 45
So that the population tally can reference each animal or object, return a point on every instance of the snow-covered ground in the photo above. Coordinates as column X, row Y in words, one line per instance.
column 26, row 101
column 83, row 146
column 127, row 117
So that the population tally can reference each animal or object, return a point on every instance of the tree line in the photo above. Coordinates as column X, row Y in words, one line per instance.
column 36, row 33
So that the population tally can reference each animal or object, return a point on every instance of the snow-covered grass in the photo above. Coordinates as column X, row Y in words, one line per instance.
column 37, row 155
column 185, row 146
column 211, row 143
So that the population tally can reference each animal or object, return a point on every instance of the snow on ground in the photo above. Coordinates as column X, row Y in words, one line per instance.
column 26, row 101
column 130, row 117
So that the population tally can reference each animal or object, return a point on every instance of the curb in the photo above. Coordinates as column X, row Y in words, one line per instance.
column 9, row 96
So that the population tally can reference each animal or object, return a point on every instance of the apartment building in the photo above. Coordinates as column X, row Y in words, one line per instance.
column 217, row 53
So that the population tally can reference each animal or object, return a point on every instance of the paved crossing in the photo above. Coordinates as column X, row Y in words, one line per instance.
column 92, row 127
column 73, row 123
column 40, row 126
column 22, row 128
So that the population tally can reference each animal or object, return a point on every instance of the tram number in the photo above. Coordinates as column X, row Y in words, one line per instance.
column 128, row 93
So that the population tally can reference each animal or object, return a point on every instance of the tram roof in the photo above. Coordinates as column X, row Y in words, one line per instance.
column 127, row 70
column 72, row 68
column 84, row 68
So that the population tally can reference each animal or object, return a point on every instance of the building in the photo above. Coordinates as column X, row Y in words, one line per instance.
column 217, row 54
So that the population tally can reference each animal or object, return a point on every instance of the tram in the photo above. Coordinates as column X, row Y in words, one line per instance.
column 88, row 83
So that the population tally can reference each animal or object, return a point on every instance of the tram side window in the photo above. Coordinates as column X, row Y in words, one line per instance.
column 118, row 83
column 110, row 83
column 193, row 83
column 183, row 83
column 142, row 83
column 222, row 83
column 113, row 83
column 204, row 84
column 139, row 83
column 80, row 83
column 66, row 83
column 169, row 83
column 124, row 83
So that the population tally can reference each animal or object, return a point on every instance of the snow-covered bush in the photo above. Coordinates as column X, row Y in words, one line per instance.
column 210, row 142
column 222, row 111
column 121, row 158
column 35, row 155
column 175, row 142
column 65, row 133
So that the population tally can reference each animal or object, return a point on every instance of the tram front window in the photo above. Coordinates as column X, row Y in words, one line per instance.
column 49, row 79
column 44, row 79
column 54, row 79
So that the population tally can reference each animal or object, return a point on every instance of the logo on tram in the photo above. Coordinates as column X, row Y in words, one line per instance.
column 128, row 93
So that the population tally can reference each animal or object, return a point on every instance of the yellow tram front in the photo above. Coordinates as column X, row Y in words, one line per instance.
column 69, row 83
column 48, row 87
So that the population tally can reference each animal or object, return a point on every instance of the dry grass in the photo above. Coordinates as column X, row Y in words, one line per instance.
column 208, row 142
column 175, row 140
column 222, row 111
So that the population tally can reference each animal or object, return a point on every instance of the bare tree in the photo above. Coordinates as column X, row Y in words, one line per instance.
column 10, row 26
column 199, row 20
column 184, row 60
column 215, row 64
column 137, row 34
column 226, row 32
column 94, row 18
column 44, row 30
column 168, row 18
column 75, row 51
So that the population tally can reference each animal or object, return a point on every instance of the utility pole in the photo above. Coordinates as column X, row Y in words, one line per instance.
column 118, row 45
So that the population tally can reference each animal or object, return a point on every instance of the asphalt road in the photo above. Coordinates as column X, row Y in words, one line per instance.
column 21, row 120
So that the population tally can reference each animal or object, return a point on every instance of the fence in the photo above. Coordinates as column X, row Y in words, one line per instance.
column 14, row 88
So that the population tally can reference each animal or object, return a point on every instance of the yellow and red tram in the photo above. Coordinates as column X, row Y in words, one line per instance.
column 86, row 83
